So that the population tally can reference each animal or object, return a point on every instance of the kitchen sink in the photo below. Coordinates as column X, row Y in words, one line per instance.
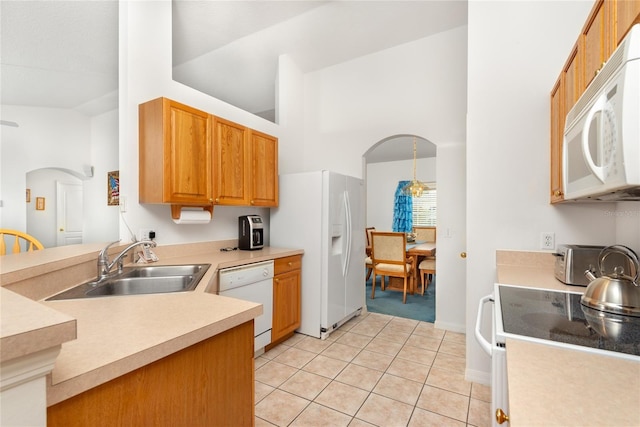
column 140, row 281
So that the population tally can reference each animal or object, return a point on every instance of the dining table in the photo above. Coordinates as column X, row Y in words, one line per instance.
column 417, row 250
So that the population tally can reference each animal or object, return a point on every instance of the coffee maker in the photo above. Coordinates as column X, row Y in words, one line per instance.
column 250, row 232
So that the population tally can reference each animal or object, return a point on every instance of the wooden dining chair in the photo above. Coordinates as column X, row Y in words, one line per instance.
column 389, row 255
column 425, row 234
column 368, row 261
column 427, row 268
column 20, row 239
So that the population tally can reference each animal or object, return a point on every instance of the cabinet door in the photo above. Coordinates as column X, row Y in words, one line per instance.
column 595, row 43
column 175, row 154
column 627, row 14
column 557, row 131
column 264, row 170
column 232, row 163
column 286, row 304
column 572, row 80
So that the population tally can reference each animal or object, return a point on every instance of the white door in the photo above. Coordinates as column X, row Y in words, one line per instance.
column 69, row 213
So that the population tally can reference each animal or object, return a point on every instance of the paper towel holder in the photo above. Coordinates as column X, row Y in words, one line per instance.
column 176, row 209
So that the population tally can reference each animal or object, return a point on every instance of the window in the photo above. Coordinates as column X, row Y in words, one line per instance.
column 425, row 207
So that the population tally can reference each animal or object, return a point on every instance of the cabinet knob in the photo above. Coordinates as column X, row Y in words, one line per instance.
column 62, row 229
column 217, row 200
column 463, row 254
column 501, row 417
column 289, row 263
column 557, row 193
column 252, row 202
column 599, row 69
column 276, row 280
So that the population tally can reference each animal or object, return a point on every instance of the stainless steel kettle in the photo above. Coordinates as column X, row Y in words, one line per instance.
column 618, row 293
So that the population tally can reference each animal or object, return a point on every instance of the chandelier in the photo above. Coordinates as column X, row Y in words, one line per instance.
column 415, row 188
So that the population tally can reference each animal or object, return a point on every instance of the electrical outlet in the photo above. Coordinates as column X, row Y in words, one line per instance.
column 143, row 234
column 547, row 240
column 123, row 204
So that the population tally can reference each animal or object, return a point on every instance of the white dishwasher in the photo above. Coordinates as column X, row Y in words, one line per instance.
column 252, row 282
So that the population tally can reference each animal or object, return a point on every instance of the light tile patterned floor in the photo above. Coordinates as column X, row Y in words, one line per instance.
column 376, row 370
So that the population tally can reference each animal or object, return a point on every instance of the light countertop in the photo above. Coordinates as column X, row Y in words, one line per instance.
column 553, row 386
column 115, row 335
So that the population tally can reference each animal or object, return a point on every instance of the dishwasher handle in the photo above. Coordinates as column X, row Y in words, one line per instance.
column 486, row 345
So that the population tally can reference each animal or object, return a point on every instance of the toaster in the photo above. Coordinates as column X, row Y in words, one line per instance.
column 573, row 260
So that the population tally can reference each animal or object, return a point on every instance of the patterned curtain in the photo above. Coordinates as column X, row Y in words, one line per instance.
column 402, row 210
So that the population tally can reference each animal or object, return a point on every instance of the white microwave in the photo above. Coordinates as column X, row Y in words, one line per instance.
column 601, row 150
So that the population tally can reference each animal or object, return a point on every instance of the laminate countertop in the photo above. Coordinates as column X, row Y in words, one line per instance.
column 553, row 386
column 113, row 335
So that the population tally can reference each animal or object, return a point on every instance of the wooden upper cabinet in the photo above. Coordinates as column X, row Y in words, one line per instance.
column 175, row 154
column 232, row 163
column 597, row 41
column 572, row 83
column 264, row 169
column 557, row 132
column 190, row 158
column 627, row 13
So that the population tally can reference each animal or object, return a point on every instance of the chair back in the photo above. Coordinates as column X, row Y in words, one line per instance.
column 425, row 234
column 19, row 241
column 369, row 230
column 388, row 247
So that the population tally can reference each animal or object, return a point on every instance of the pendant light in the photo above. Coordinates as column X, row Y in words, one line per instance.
column 415, row 188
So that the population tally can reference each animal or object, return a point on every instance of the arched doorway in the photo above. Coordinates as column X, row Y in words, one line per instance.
column 385, row 164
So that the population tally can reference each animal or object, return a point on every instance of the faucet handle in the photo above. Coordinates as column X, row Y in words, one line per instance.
column 103, row 253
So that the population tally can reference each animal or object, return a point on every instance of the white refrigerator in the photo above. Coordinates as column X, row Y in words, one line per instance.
column 323, row 213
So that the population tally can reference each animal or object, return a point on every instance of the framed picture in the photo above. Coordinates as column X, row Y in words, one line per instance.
column 39, row 203
column 28, row 195
column 113, row 188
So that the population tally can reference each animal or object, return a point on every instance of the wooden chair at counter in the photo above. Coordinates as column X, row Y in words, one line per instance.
column 389, row 255
column 368, row 262
column 21, row 239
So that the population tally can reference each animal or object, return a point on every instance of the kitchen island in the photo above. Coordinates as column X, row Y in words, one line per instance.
column 555, row 386
column 126, row 335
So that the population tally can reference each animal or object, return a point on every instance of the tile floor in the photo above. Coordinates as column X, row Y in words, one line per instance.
column 376, row 370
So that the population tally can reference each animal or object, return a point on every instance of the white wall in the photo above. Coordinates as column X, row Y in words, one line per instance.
column 102, row 222
column 417, row 88
column 513, row 64
column 46, row 137
column 382, row 181
column 61, row 139
column 145, row 74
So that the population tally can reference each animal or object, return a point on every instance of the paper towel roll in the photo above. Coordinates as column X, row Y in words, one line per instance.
column 193, row 216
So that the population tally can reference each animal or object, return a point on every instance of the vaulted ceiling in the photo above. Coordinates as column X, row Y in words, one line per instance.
column 65, row 53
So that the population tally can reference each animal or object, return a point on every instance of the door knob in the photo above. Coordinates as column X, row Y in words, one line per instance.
column 463, row 254
column 501, row 417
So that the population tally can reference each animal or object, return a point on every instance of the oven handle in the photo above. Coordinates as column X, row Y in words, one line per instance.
column 486, row 345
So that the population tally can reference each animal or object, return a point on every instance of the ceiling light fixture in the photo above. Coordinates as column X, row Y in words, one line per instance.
column 415, row 188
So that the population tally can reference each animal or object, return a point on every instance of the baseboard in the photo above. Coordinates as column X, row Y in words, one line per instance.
column 480, row 377
column 453, row 327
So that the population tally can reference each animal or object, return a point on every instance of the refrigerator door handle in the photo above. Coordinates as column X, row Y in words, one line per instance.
column 347, row 257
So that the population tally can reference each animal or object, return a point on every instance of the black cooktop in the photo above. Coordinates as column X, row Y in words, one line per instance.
column 559, row 316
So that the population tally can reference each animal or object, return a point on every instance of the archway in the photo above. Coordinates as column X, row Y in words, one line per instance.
column 385, row 163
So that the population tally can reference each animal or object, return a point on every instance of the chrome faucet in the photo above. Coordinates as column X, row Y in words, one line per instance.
column 104, row 266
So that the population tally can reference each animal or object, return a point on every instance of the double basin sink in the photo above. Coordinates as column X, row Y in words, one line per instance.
column 139, row 281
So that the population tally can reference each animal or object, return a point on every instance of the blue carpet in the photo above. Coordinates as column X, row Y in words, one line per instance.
column 418, row 307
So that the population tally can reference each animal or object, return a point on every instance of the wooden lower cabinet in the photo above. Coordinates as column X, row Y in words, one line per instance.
column 287, row 294
column 208, row 384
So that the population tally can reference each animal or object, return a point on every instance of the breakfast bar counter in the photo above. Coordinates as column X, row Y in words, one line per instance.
column 116, row 335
